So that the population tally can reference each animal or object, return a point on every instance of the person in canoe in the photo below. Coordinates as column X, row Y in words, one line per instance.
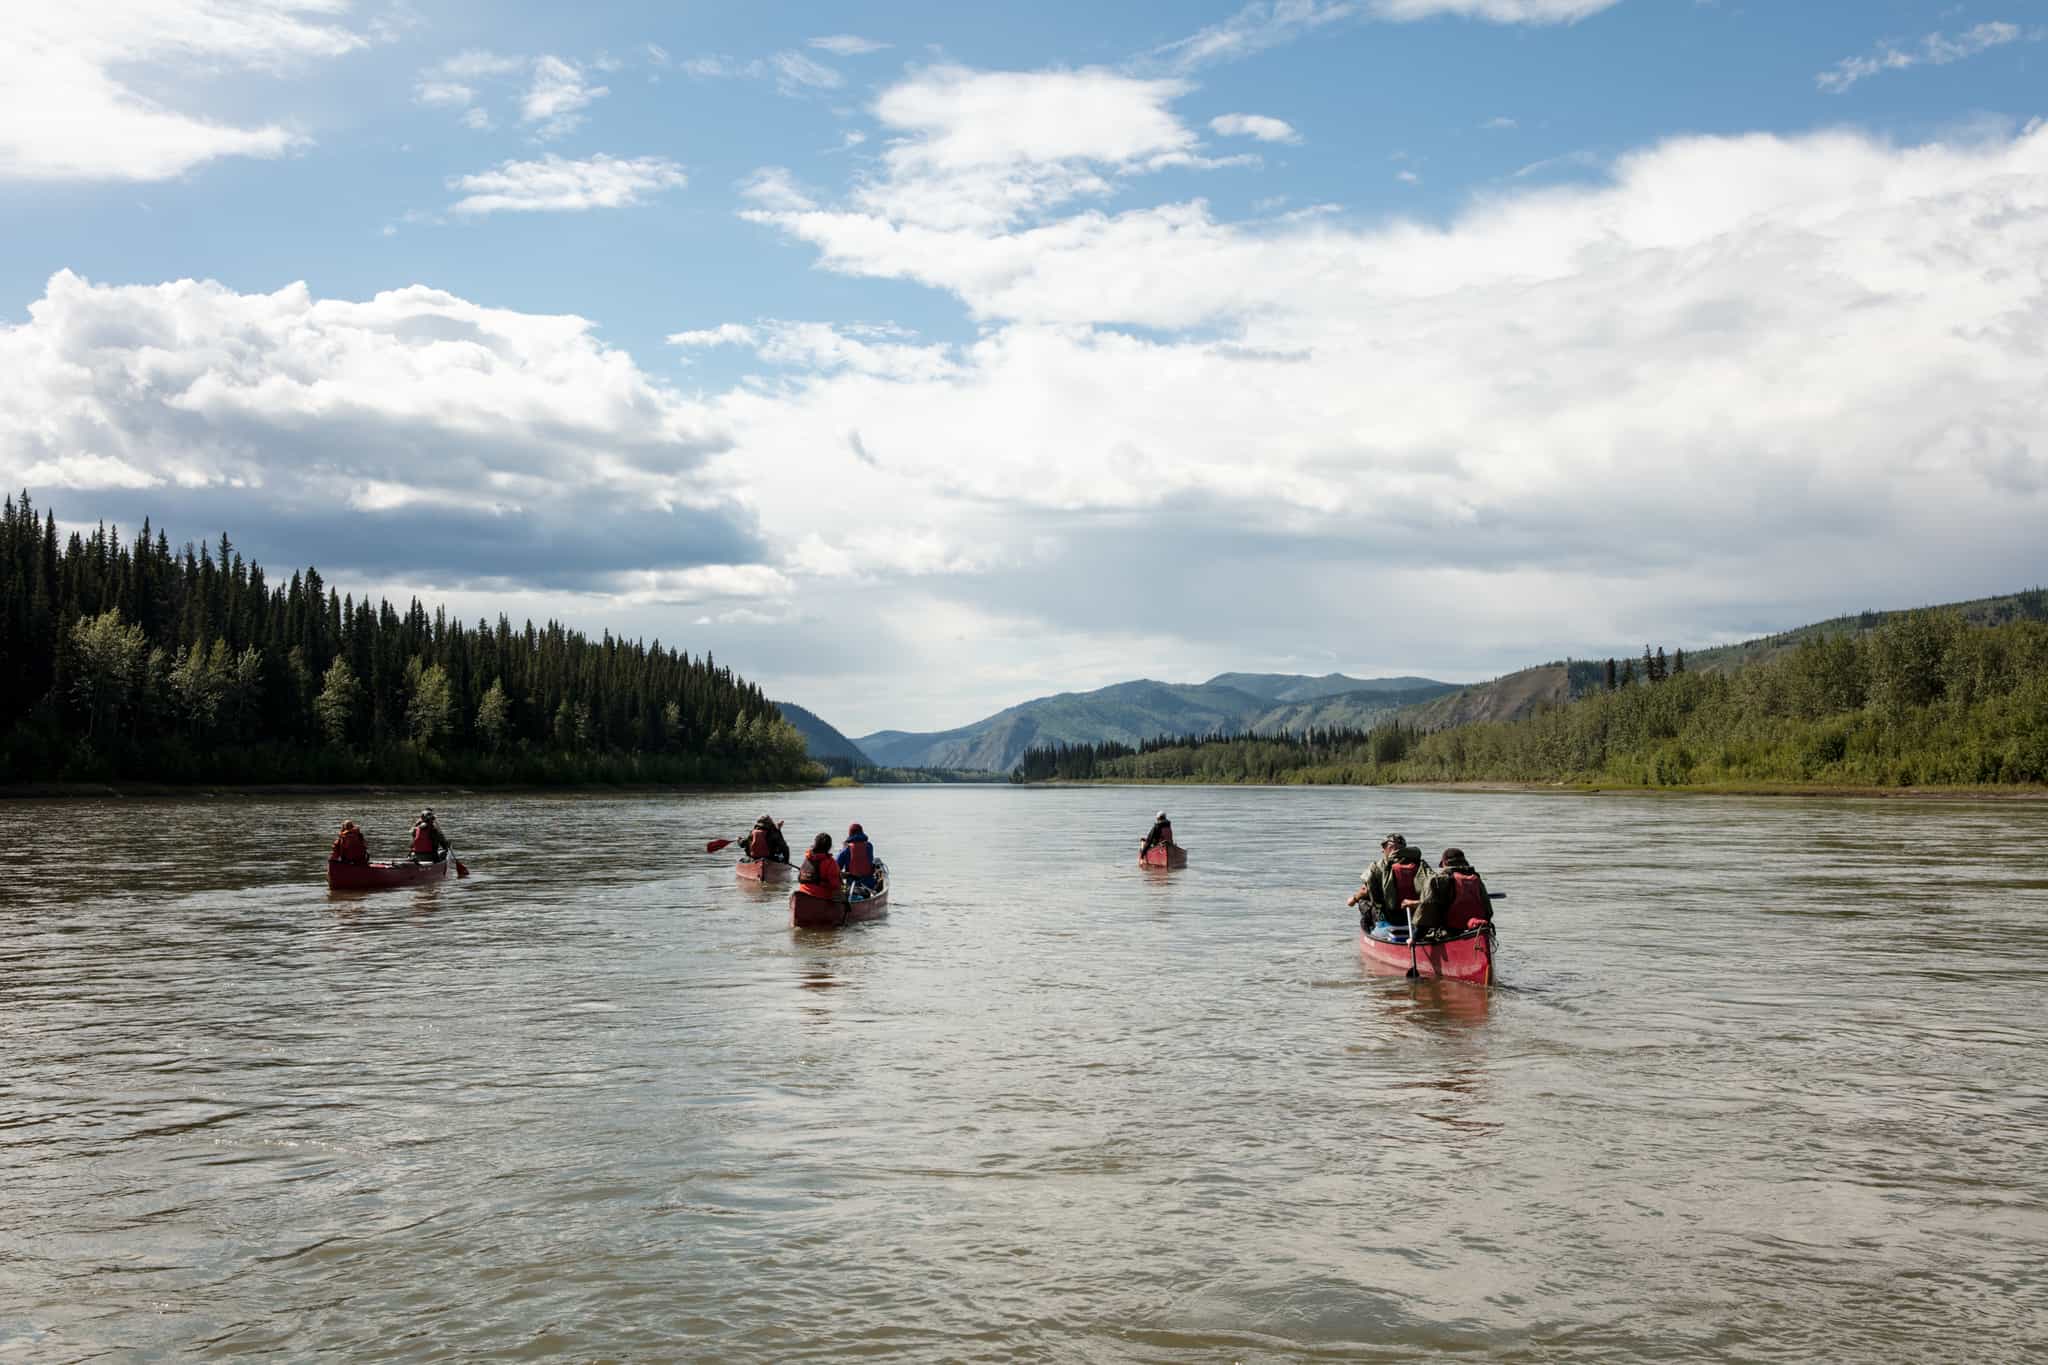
column 349, row 846
column 1160, row 833
column 1391, row 883
column 429, row 844
column 857, row 858
column 819, row 876
column 1453, row 899
column 765, row 842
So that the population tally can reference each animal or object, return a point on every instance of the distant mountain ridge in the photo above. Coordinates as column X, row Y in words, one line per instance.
column 1132, row 712
column 821, row 741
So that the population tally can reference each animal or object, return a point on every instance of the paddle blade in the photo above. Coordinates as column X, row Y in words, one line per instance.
column 715, row 845
column 461, row 868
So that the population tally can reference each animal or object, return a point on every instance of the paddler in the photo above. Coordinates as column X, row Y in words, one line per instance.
column 1160, row 833
column 857, row 858
column 1391, row 883
column 349, row 846
column 819, row 875
column 1453, row 901
column 429, row 844
column 765, row 842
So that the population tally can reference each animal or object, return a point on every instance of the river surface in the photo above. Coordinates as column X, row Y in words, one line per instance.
column 1765, row 1080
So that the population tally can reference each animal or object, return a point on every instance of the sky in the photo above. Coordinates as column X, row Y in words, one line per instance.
column 918, row 359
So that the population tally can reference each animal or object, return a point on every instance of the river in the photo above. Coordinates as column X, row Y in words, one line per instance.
column 1765, row 1080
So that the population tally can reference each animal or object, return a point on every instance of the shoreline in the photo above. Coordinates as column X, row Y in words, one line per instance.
column 1797, row 790
column 124, row 791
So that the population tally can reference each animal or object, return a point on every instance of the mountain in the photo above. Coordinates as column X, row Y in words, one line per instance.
column 1292, row 687
column 821, row 741
column 1133, row 712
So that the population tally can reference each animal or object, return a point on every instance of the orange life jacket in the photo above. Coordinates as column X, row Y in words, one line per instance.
column 820, row 875
column 860, row 858
column 1470, row 908
column 350, row 848
column 758, row 844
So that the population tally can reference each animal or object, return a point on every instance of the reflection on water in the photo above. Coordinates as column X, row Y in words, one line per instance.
column 1763, row 1082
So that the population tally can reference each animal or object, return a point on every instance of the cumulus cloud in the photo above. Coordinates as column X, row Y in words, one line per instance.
column 555, row 184
column 1569, row 417
column 68, row 109
column 556, row 97
column 973, row 149
column 1936, row 49
column 410, row 431
column 1260, row 126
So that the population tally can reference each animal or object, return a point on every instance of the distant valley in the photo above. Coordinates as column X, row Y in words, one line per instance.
column 1131, row 712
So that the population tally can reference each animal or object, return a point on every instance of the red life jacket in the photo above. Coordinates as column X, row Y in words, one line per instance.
column 758, row 844
column 1402, row 875
column 820, row 875
column 350, row 848
column 1470, row 909
column 860, row 858
column 422, row 839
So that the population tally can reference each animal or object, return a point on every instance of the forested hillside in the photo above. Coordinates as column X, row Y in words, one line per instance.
column 136, row 661
column 1925, row 699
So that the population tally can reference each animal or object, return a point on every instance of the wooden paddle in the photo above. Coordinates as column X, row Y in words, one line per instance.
column 715, row 845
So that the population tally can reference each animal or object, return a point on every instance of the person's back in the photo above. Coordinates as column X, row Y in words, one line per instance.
column 820, row 874
column 428, row 843
column 1402, row 885
column 857, row 857
column 349, row 845
column 1160, row 833
column 1454, row 898
column 1377, row 890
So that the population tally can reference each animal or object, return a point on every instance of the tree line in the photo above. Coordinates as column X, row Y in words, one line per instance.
column 1923, row 699
column 132, row 660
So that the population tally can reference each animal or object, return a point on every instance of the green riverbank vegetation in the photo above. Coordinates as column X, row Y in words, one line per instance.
column 1924, row 700
column 135, row 662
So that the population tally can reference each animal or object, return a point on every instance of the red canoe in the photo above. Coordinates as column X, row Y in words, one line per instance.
column 371, row 876
column 819, row 912
column 1164, row 855
column 1468, row 957
column 764, row 870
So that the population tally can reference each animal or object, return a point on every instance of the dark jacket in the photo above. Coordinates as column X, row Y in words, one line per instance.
column 1161, row 833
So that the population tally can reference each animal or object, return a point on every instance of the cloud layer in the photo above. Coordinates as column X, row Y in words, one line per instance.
column 411, row 432
column 68, row 109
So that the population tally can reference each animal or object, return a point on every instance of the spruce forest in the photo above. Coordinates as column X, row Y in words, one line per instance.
column 133, row 661
column 1926, row 698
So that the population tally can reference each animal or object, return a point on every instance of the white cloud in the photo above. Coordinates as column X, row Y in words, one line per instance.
column 774, row 188
column 1495, row 11
column 847, row 45
column 1265, row 24
column 725, row 334
column 978, row 148
column 489, row 438
column 797, row 74
column 1936, row 49
column 557, row 96
column 1709, row 342
column 1260, row 126
column 443, row 94
column 555, row 184
column 475, row 64
column 68, row 110
column 477, row 119
column 1500, row 125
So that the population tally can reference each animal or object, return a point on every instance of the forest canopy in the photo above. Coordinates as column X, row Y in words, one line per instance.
column 131, row 660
